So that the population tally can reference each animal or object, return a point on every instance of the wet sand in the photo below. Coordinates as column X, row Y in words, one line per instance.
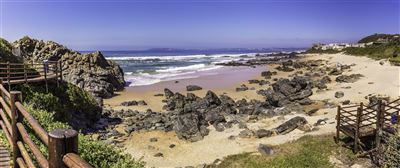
column 220, row 81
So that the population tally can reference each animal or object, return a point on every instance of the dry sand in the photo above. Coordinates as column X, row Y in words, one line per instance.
column 216, row 145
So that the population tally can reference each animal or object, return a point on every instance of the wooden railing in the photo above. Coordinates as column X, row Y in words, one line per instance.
column 15, row 73
column 375, row 119
column 62, row 144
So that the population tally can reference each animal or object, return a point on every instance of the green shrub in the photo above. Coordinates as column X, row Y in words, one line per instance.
column 95, row 152
column 318, row 51
column 63, row 100
column 390, row 156
column 5, row 52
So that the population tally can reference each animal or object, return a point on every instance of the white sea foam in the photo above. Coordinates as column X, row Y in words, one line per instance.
column 178, row 57
column 171, row 71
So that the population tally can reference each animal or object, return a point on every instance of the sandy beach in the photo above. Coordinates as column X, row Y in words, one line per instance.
column 378, row 79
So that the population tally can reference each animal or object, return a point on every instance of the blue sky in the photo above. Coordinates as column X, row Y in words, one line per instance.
column 141, row 24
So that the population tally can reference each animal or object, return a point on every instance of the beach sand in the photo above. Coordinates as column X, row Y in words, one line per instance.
column 378, row 79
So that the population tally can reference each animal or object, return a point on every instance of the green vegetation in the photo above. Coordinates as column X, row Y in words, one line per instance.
column 383, row 51
column 390, row 157
column 64, row 100
column 47, row 109
column 375, row 37
column 95, row 152
column 316, row 51
column 6, row 53
column 308, row 151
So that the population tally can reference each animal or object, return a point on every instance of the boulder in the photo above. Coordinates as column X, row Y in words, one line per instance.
column 339, row 94
column 91, row 72
column 265, row 149
column 168, row 93
column 348, row 78
column 242, row 88
column 193, row 88
column 246, row 133
column 290, row 125
column 212, row 98
column 261, row 133
column 129, row 103
column 187, row 127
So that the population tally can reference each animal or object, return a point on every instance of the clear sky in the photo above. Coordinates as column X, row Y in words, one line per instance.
column 141, row 24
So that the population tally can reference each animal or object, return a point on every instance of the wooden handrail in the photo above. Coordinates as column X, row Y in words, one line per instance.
column 15, row 73
column 73, row 160
column 37, row 128
column 62, row 144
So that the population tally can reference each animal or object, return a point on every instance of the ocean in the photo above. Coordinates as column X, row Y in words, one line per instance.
column 155, row 65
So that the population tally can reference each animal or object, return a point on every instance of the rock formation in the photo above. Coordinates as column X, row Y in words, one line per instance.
column 92, row 71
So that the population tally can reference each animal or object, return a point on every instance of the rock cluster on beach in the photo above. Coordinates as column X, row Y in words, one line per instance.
column 191, row 116
column 91, row 71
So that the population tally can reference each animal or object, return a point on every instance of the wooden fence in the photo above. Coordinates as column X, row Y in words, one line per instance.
column 15, row 73
column 62, row 144
column 375, row 120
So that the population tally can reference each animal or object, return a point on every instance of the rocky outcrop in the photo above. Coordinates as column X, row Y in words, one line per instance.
column 6, row 52
column 92, row 71
column 348, row 78
column 286, row 91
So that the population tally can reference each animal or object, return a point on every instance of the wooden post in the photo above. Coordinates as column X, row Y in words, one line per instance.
column 378, row 133
column 357, row 133
column 25, row 74
column 338, row 125
column 8, row 75
column 45, row 77
column 61, row 142
column 14, row 97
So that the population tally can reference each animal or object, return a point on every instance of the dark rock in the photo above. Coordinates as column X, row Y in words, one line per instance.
column 339, row 94
column 219, row 127
column 153, row 139
column 265, row 149
column 187, row 127
column 312, row 111
column 326, row 79
column 285, row 69
column 159, row 94
column 254, row 81
column 193, row 88
column 321, row 122
column 290, row 125
column 305, row 101
column 346, row 102
column 212, row 98
column 336, row 71
column 242, row 88
column 91, row 72
column 129, row 103
column 348, row 78
column 245, row 133
column 168, row 93
column 158, row 155
column 141, row 103
column 261, row 133
column 172, row 146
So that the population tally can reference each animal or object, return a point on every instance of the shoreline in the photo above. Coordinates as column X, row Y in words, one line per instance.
column 378, row 79
column 232, row 77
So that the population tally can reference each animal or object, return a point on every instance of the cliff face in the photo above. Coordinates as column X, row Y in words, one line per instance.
column 91, row 72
